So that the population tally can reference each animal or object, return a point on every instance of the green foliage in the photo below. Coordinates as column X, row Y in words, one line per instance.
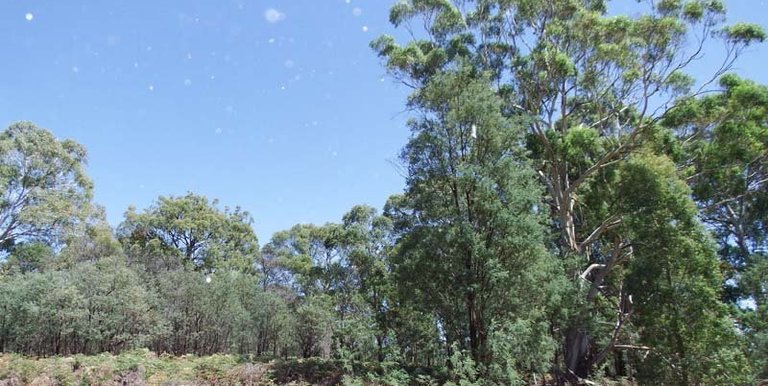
column 92, row 308
column 473, row 239
column 28, row 257
column 45, row 191
column 314, row 326
column 556, row 222
column 93, row 241
column 223, row 312
column 744, row 33
column 311, row 256
column 464, row 371
column 192, row 228
column 584, row 86
column 341, row 274
column 725, row 156
column 674, row 281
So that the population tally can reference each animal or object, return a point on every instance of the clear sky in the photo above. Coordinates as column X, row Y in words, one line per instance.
column 279, row 107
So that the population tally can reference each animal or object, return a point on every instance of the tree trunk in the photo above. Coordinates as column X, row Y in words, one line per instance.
column 578, row 359
column 477, row 334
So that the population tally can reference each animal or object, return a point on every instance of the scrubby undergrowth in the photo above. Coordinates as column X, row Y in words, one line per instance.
column 143, row 367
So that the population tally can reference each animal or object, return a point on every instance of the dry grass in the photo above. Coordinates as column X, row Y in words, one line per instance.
column 132, row 368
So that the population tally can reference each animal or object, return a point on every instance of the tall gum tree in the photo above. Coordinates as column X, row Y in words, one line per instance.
column 722, row 149
column 674, row 282
column 593, row 86
column 44, row 190
column 474, row 240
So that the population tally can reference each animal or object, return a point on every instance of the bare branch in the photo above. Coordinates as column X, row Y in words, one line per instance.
column 609, row 223
column 590, row 269
column 631, row 347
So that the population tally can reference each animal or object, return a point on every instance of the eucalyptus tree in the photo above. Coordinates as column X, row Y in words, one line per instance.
column 473, row 248
column 673, row 283
column 308, row 258
column 28, row 257
column 193, row 231
column 722, row 148
column 322, row 266
column 370, row 245
column 593, row 87
column 44, row 189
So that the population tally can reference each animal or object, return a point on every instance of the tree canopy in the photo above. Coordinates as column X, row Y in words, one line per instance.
column 193, row 229
column 45, row 189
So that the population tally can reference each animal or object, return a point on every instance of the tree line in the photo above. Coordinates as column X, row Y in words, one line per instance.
column 577, row 209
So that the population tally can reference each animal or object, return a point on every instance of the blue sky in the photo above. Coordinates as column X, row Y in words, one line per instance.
column 279, row 107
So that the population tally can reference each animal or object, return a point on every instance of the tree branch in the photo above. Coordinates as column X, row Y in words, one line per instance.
column 590, row 269
column 607, row 225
